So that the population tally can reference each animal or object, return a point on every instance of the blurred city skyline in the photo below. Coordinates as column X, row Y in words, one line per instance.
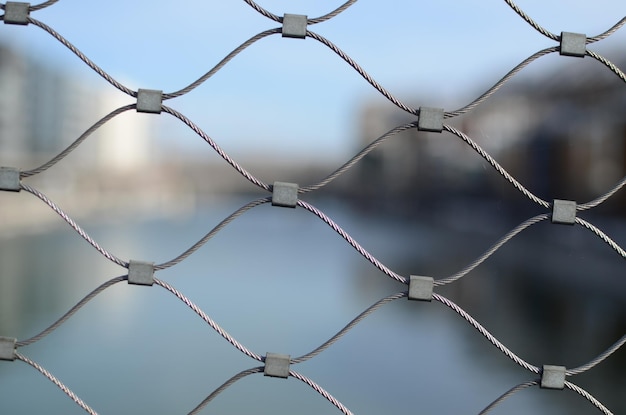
column 297, row 98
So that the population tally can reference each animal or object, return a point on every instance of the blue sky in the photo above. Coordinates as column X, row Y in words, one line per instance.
column 297, row 97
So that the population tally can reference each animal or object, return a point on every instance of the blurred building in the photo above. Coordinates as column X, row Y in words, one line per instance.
column 562, row 135
column 43, row 110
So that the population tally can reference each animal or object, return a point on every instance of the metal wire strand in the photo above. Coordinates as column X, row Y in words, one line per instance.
column 82, row 57
column 598, row 359
column 57, row 382
column 321, row 391
column 316, row 20
column 221, row 64
column 358, row 157
column 608, row 33
column 486, row 333
column 217, row 148
column 349, row 326
column 208, row 320
column 224, row 386
column 602, row 236
column 352, row 242
column 72, row 311
column 501, row 82
column 497, row 166
column 332, row 14
column 264, row 12
column 531, row 21
column 212, row 233
column 74, row 226
column 76, row 143
column 617, row 71
column 589, row 397
column 509, row 393
column 362, row 72
column 493, row 249
column 602, row 198
column 42, row 5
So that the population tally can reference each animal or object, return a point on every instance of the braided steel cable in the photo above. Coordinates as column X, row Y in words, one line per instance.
column 225, row 386
column 57, row 382
column 208, row 320
column 212, row 233
column 74, row 225
column 352, row 242
column 221, row 64
column 509, row 393
column 602, row 236
column 496, row 166
column 602, row 198
column 217, row 148
column 332, row 14
column 42, row 5
column 598, row 359
column 486, row 333
column 609, row 32
column 72, row 311
column 501, row 82
column 358, row 157
column 83, row 57
column 321, row 391
column 524, row 225
column 316, row 20
column 531, row 22
column 264, row 12
column 362, row 72
column 68, row 150
column 617, row 71
column 349, row 326
column 589, row 397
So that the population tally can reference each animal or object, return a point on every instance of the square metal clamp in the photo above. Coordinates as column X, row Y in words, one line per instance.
column 10, row 179
column 285, row 194
column 564, row 211
column 553, row 377
column 573, row 44
column 430, row 119
column 16, row 12
column 149, row 100
column 294, row 25
column 277, row 365
column 140, row 273
column 421, row 288
column 7, row 348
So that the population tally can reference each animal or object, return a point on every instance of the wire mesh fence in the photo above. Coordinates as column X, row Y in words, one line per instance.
column 545, row 375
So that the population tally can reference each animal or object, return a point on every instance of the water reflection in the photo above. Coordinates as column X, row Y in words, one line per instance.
column 285, row 282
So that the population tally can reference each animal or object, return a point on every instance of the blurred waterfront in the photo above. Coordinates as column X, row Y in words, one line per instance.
column 551, row 299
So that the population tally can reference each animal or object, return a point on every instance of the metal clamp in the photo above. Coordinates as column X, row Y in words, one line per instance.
column 553, row 377
column 7, row 348
column 140, row 273
column 564, row 212
column 285, row 194
column 10, row 179
column 430, row 119
column 573, row 44
column 294, row 25
column 16, row 13
column 277, row 365
column 149, row 101
column 421, row 288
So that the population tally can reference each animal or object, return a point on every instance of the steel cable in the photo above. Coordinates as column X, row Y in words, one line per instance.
column 74, row 226
column 72, row 311
column 57, row 382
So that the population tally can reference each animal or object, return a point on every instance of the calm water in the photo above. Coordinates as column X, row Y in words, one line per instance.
column 282, row 281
